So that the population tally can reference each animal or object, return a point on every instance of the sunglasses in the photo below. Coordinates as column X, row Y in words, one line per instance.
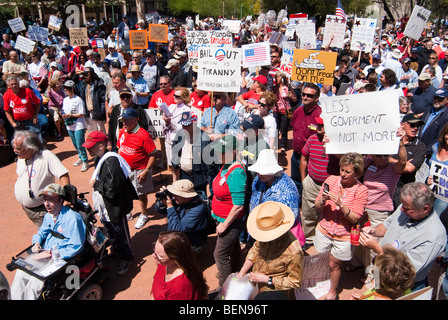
column 264, row 105
column 217, row 97
column 163, row 84
column 415, row 125
column 125, row 96
column 177, row 97
column 309, row 95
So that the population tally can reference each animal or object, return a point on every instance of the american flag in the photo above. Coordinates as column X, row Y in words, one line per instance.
column 43, row 71
column 256, row 54
column 340, row 11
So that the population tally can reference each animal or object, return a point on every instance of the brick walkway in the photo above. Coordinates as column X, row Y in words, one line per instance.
column 16, row 231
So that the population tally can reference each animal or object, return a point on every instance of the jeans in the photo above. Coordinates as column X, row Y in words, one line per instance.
column 295, row 174
column 227, row 252
column 282, row 127
column 78, row 138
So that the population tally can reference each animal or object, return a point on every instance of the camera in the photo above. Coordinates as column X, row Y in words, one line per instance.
column 163, row 194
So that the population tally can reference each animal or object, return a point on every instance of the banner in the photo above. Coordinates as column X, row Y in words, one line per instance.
column 366, row 123
column 37, row 33
column 158, row 33
column 313, row 66
column 363, row 35
column 417, row 22
column 24, row 44
column 16, row 25
column 219, row 69
column 306, row 32
column 78, row 37
column 256, row 54
column 334, row 27
column 197, row 39
column 439, row 173
column 55, row 23
column 138, row 39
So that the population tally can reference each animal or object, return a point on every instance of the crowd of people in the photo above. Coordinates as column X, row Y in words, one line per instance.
column 227, row 146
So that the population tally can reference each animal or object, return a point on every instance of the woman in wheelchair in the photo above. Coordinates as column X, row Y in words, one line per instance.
column 63, row 229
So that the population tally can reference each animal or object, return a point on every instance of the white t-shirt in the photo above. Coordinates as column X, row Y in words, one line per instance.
column 270, row 125
column 73, row 106
column 42, row 170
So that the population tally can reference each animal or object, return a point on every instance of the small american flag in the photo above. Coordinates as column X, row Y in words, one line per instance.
column 340, row 11
column 256, row 54
column 43, row 71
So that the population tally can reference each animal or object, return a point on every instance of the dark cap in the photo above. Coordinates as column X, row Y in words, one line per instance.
column 253, row 122
column 412, row 118
column 442, row 93
column 125, row 90
column 129, row 113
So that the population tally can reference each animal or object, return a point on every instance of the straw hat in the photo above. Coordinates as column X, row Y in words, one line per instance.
column 183, row 188
column 266, row 163
column 269, row 220
column 135, row 68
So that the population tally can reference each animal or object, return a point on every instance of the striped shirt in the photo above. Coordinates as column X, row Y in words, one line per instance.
column 320, row 165
column 381, row 184
column 333, row 222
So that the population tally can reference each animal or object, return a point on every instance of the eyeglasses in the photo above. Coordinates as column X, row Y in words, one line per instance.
column 308, row 95
column 163, row 83
column 274, row 56
column 135, row 57
column 432, row 58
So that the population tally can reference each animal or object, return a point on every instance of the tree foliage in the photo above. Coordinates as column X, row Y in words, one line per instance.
column 213, row 8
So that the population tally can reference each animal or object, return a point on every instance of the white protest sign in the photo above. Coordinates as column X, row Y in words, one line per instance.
column 439, row 174
column 219, row 69
column 55, row 23
column 197, row 39
column 287, row 57
column 334, row 28
column 293, row 18
column 155, row 122
column 417, row 22
column 315, row 279
column 38, row 33
column 24, row 44
column 363, row 34
column 366, row 123
column 16, row 25
column 260, row 20
column 256, row 54
column 306, row 32
column 290, row 30
column 233, row 25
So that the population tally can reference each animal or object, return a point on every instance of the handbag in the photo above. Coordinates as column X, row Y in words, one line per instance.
column 70, row 121
column 354, row 235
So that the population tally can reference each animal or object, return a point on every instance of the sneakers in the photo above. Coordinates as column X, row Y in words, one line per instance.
column 129, row 216
column 85, row 167
column 123, row 267
column 77, row 163
column 142, row 219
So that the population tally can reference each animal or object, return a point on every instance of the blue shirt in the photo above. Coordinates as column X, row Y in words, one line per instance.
column 69, row 223
column 283, row 190
column 226, row 119
column 140, row 85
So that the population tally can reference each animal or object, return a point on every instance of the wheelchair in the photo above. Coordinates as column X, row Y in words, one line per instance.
column 81, row 276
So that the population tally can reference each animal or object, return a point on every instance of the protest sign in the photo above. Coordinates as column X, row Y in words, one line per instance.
column 366, row 123
column 439, row 174
column 138, row 39
column 363, row 35
column 306, row 32
column 287, row 57
column 334, row 28
column 290, row 30
column 158, row 33
column 313, row 66
column 37, row 33
column 155, row 122
column 197, row 39
column 315, row 279
column 16, row 25
column 25, row 45
column 78, row 37
column 293, row 18
column 256, row 54
column 422, row 294
column 219, row 69
column 233, row 25
column 417, row 22
column 54, row 23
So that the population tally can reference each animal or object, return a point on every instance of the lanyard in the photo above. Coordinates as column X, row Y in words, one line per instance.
column 30, row 174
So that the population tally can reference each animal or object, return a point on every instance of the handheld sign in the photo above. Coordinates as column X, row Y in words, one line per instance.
column 256, row 54
column 25, row 45
column 37, row 33
column 417, row 22
column 55, row 23
column 366, row 123
column 158, row 33
column 306, row 32
column 313, row 66
column 138, row 39
column 334, row 31
column 78, row 37
column 363, row 34
column 439, row 174
column 16, row 25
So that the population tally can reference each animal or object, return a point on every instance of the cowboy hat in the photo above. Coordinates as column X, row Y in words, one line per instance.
column 269, row 220
column 266, row 163
column 183, row 188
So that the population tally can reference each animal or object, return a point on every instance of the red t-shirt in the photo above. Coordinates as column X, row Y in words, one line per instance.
column 22, row 105
column 179, row 288
column 135, row 147
column 198, row 102
column 252, row 97
column 159, row 97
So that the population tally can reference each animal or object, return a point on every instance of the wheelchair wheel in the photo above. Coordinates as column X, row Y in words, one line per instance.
column 91, row 291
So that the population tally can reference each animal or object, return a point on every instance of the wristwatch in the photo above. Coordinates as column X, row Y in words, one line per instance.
column 270, row 281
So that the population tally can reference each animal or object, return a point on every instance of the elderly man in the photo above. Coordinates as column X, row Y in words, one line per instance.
column 177, row 76
column 414, row 228
column 13, row 66
column 422, row 96
column 36, row 168
column 138, row 149
column 407, row 77
column 164, row 95
column 152, row 71
column 60, row 220
column 112, row 90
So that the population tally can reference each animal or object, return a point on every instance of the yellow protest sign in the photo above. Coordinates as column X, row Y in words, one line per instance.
column 138, row 39
column 158, row 33
column 313, row 66
column 78, row 37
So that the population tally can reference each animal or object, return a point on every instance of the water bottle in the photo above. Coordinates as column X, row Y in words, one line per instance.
column 55, row 253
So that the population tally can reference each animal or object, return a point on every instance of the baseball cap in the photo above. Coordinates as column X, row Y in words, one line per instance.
column 125, row 90
column 171, row 63
column 261, row 79
column 319, row 120
column 129, row 113
column 376, row 56
column 424, row 76
column 93, row 138
column 443, row 93
column 253, row 122
column 69, row 84
column 53, row 190
column 412, row 118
